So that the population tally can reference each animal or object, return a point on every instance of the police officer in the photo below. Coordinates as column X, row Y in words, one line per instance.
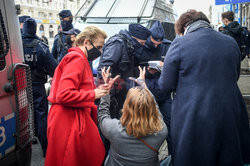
column 155, row 49
column 70, row 37
column 119, row 53
column 59, row 50
column 41, row 62
column 21, row 21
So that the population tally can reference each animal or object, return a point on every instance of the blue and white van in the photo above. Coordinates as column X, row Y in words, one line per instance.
column 16, row 110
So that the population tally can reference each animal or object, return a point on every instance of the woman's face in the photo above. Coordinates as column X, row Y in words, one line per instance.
column 98, row 43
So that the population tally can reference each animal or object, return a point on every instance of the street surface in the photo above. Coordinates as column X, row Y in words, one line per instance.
column 37, row 155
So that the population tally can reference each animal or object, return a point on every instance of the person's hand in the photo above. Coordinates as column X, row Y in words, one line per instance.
column 106, row 74
column 107, row 77
column 50, row 80
column 141, row 79
column 161, row 63
column 152, row 71
column 100, row 92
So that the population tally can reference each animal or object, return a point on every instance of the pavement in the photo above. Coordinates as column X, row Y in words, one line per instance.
column 37, row 158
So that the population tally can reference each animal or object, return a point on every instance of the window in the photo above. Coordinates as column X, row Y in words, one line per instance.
column 4, row 43
column 59, row 28
column 50, row 15
column 51, row 32
column 41, row 28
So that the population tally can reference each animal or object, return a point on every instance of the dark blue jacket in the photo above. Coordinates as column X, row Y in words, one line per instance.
column 59, row 50
column 159, row 53
column 119, row 54
column 41, row 62
column 209, row 124
column 235, row 30
column 154, row 54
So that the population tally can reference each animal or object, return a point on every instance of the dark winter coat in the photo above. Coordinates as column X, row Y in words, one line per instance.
column 154, row 54
column 119, row 54
column 209, row 124
column 59, row 49
column 234, row 29
column 41, row 63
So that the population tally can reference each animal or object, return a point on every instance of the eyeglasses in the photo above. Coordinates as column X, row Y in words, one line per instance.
column 97, row 47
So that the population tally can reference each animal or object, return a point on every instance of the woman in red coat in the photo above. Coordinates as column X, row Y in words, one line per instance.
column 73, row 137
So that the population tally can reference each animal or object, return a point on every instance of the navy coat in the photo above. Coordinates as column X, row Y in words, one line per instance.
column 41, row 65
column 154, row 54
column 209, row 124
column 59, row 51
column 45, row 64
column 119, row 54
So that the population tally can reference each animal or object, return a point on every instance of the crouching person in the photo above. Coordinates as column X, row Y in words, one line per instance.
column 136, row 138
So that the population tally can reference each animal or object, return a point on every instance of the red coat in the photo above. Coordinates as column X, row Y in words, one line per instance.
column 73, row 137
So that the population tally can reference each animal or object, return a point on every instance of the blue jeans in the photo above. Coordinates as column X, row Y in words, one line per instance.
column 166, row 161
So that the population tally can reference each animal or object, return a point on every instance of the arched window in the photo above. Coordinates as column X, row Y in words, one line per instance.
column 59, row 28
column 41, row 28
column 51, row 31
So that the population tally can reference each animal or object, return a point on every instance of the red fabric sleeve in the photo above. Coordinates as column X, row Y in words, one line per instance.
column 68, row 92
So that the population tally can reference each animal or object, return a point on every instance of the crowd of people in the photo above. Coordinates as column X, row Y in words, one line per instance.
column 190, row 98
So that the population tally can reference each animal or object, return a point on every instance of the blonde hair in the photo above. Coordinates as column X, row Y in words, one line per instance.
column 140, row 114
column 91, row 33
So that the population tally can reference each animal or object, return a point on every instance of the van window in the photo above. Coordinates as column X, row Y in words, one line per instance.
column 4, row 44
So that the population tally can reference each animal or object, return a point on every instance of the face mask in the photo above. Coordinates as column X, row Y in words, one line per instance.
column 136, row 44
column 93, row 53
column 150, row 44
column 66, row 25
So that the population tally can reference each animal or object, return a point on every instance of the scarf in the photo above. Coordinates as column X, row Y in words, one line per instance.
column 197, row 25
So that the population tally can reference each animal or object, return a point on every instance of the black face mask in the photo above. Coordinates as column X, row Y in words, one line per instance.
column 66, row 25
column 93, row 53
column 150, row 44
column 136, row 44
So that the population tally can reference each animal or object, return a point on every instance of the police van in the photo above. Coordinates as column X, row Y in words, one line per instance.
column 115, row 15
column 16, row 110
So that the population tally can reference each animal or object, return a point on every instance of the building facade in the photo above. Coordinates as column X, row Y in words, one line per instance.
column 246, row 15
column 45, row 12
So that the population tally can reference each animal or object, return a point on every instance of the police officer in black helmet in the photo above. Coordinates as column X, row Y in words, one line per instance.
column 59, row 50
column 42, row 63
column 21, row 21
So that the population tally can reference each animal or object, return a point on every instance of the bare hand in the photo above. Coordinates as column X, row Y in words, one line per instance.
column 107, row 77
column 141, row 79
column 106, row 74
column 152, row 71
column 100, row 92
column 161, row 63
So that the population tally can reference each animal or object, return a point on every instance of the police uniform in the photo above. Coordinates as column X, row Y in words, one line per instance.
column 59, row 49
column 119, row 54
column 152, row 53
column 21, row 20
column 41, row 62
